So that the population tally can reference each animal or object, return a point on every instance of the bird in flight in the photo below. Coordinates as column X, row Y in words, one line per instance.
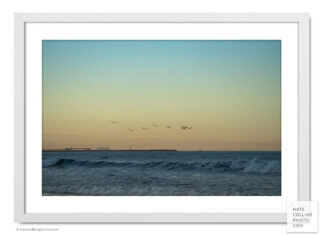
column 114, row 122
column 130, row 129
column 186, row 127
column 154, row 125
column 168, row 126
column 145, row 128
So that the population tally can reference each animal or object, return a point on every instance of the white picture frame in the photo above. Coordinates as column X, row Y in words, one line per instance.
column 21, row 19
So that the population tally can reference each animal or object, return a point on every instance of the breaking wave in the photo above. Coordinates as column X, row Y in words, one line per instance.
column 246, row 166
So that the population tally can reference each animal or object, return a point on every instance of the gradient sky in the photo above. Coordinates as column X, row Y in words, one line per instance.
column 229, row 91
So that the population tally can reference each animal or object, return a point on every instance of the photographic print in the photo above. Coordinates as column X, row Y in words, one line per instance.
column 161, row 118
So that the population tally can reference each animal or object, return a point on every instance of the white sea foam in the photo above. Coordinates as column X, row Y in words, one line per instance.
column 263, row 168
column 272, row 167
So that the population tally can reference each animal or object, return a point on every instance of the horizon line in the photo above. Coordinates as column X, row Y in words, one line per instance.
column 179, row 150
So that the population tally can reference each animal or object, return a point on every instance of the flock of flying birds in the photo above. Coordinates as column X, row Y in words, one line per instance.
column 155, row 126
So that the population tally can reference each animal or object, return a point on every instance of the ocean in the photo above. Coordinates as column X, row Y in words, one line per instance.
column 161, row 173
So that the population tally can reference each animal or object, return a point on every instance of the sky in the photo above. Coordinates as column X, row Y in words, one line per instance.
column 228, row 91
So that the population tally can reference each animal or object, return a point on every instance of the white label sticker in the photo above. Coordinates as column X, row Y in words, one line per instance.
column 302, row 216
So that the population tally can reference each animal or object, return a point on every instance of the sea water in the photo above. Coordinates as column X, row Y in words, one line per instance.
column 162, row 173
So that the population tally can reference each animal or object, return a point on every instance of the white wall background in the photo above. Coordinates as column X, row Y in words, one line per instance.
column 7, row 8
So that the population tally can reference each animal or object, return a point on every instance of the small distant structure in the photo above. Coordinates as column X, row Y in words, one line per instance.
column 102, row 148
column 79, row 149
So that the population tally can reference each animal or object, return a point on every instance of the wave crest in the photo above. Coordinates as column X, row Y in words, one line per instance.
column 246, row 166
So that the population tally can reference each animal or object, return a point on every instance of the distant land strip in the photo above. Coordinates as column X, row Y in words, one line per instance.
column 103, row 150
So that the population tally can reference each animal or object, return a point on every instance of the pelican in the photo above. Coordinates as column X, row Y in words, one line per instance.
column 186, row 127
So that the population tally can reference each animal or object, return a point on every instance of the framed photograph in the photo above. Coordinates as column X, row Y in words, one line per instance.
column 160, row 118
